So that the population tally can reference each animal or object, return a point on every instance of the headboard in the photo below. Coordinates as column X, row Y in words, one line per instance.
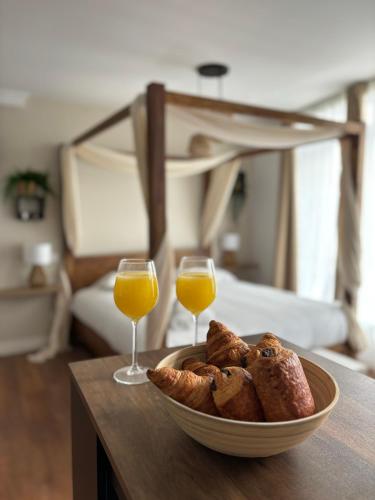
column 84, row 271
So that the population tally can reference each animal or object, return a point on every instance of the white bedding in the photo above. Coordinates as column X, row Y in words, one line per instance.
column 245, row 307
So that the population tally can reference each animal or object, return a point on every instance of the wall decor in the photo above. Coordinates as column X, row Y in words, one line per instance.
column 28, row 189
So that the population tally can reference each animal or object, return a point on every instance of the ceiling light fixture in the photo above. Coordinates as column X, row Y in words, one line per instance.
column 213, row 70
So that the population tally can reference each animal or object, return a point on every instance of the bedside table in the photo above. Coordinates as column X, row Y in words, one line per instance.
column 58, row 320
column 245, row 272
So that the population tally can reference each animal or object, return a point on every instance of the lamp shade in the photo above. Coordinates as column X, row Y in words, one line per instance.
column 230, row 242
column 39, row 254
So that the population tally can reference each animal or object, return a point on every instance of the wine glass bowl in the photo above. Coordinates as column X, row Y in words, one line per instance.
column 135, row 294
column 196, row 286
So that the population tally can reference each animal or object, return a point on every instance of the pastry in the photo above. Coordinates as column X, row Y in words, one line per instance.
column 235, row 396
column 199, row 367
column 281, row 384
column 185, row 387
column 224, row 348
column 268, row 340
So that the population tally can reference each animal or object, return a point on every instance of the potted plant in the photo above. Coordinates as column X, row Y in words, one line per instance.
column 231, row 241
column 28, row 188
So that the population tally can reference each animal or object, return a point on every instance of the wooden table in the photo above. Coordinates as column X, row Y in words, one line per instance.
column 126, row 446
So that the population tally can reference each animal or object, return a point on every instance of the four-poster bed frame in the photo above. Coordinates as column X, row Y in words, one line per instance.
column 85, row 270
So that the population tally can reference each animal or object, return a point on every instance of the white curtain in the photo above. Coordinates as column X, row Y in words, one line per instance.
column 366, row 303
column 239, row 131
column 285, row 266
column 318, row 170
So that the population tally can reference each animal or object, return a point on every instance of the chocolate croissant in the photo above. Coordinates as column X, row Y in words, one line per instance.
column 281, row 385
column 235, row 396
column 185, row 387
column 224, row 348
column 200, row 368
column 268, row 340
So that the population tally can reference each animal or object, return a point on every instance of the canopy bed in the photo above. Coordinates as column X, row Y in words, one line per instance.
column 225, row 136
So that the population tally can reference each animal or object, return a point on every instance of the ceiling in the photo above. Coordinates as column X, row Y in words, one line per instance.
column 282, row 53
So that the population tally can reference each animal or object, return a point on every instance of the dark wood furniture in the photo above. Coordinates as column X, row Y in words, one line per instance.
column 126, row 446
column 157, row 97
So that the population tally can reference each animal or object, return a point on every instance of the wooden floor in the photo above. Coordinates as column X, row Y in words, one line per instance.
column 35, row 452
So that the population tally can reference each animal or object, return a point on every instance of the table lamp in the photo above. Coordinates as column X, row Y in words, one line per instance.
column 230, row 244
column 38, row 255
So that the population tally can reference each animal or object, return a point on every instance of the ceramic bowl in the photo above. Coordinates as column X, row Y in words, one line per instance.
column 251, row 439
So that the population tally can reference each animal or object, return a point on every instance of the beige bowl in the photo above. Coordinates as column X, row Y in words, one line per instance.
column 252, row 439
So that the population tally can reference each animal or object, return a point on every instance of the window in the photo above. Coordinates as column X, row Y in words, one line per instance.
column 318, row 169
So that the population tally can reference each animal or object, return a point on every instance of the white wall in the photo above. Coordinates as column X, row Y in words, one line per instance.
column 30, row 137
column 112, row 213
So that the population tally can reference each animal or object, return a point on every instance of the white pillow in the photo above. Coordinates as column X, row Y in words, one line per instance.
column 106, row 282
column 223, row 275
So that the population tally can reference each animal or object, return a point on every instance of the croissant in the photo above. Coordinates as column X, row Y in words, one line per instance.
column 281, row 385
column 185, row 387
column 268, row 340
column 200, row 368
column 234, row 395
column 224, row 348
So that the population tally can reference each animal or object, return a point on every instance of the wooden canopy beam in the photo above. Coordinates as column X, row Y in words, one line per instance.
column 109, row 122
column 186, row 100
column 191, row 101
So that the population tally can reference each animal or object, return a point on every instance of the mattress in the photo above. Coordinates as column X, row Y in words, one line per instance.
column 244, row 307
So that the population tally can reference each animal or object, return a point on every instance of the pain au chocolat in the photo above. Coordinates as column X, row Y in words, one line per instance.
column 268, row 340
column 235, row 396
column 281, row 384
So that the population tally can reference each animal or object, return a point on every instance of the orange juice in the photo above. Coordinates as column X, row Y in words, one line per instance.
column 196, row 290
column 135, row 293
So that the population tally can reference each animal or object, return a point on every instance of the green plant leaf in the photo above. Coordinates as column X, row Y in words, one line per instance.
column 40, row 179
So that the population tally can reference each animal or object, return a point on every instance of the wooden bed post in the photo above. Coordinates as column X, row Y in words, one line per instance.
column 355, row 97
column 155, row 104
column 356, row 141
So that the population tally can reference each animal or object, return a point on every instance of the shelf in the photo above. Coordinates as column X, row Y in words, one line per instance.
column 27, row 291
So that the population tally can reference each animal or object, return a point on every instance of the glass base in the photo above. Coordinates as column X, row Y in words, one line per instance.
column 131, row 376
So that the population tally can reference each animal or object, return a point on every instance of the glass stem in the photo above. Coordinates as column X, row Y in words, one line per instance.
column 195, row 317
column 134, row 351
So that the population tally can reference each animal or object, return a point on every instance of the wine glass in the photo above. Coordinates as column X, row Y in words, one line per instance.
column 135, row 294
column 196, row 286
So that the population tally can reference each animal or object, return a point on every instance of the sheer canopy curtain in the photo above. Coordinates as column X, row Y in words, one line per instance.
column 317, row 181
column 366, row 296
